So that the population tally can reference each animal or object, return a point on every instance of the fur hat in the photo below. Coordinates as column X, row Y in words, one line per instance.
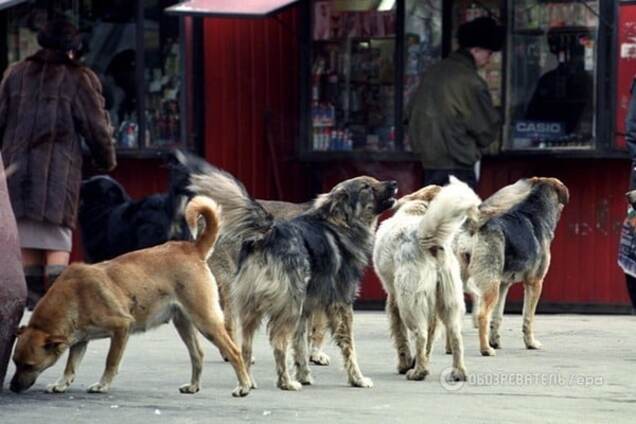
column 482, row 32
column 60, row 35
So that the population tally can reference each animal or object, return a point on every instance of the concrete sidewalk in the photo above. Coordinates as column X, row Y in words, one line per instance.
column 584, row 374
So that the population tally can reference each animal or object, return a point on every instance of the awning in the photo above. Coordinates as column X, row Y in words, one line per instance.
column 230, row 8
column 5, row 4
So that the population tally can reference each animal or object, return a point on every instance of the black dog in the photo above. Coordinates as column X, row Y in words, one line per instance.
column 113, row 224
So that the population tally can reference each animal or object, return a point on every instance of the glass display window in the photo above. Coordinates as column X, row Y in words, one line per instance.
column 135, row 50
column 353, row 76
column 551, row 84
column 422, row 44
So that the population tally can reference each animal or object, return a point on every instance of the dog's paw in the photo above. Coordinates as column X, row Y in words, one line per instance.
column 363, row 382
column 416, row 374
column 489, row 351
column 533, row 344
column 290, row 385
column 58, row 387
column 319, row 358
column 241, row 391
column 253, row 384
column 305, row 378
column 98, row 388
column 495, row 342
column 189, row 388
column 405, row 364
column 457, row 374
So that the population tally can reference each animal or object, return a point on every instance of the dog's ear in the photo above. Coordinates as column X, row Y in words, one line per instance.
column 20, row 330
column 57, row 343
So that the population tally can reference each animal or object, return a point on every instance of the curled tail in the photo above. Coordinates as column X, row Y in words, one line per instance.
column 211, row 212
column 446, row 213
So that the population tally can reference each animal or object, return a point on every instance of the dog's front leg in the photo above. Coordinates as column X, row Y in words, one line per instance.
column 497, row 316
column 532, row 292
column 75, row 355
column 118, row 342
column 303, row 373
column 341, row 324
column 186, row 331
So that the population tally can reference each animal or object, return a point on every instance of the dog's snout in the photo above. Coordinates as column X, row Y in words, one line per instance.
column 393, row 185
column 18, row 386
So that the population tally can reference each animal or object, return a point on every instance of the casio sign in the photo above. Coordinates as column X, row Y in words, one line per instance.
column 539, row 127
column 537, row 130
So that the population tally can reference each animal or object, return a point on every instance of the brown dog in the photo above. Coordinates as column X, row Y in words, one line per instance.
column 131, row 293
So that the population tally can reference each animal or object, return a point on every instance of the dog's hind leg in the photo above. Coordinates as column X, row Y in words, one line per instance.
column 497, row 317
column 488, row 301
column 400, row 336
column 303, row 373
column 340, row 318
column 452, row 321
column 186, row 331
column 209, row 321
column 532, row 292
column 318, row 328
column 249, row 324
column 75, row 355
column 420, row 370
column 281, row 327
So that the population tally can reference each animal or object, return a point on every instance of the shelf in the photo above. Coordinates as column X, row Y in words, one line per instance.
column 342, row 40
column 358, row 155
column 561, row 30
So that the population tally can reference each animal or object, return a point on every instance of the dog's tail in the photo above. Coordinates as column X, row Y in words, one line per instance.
column 446, row 213
column 211, row 212
column 242, row 215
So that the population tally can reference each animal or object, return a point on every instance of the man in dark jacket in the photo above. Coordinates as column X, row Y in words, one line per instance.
column 451, row 118
column 48, row 103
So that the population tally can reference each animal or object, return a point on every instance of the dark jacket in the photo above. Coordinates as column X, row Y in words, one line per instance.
column 630, row 134
column 46, row 103
column 451, row 118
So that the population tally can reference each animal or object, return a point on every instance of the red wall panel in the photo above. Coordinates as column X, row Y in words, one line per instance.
column 251, row 91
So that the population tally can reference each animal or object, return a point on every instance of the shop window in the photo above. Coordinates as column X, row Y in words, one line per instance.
column 353, row 76
column 552, row 70
column 134, row 48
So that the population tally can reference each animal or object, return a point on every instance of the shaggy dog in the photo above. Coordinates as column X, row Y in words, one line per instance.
column 113, row 224
column 130, row 294
column 223, row 261
column 414, row 259
column 509, row 243
column 289, row 268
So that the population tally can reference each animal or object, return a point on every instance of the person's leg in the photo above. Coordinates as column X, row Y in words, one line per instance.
column 441, row 176
column 466, row 175
column 33, row 264
column 435, row 176
column 631, row 289
column 56, row 262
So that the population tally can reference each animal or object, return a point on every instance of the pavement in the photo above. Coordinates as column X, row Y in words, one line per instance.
column 585, row 373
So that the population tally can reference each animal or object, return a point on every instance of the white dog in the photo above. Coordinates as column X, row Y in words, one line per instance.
column 413, row 257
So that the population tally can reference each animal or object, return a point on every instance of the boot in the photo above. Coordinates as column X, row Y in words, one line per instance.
column 52, row 272
column 34, row 276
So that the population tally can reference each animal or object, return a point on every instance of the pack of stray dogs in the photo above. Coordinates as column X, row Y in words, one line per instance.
column 298, row 267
